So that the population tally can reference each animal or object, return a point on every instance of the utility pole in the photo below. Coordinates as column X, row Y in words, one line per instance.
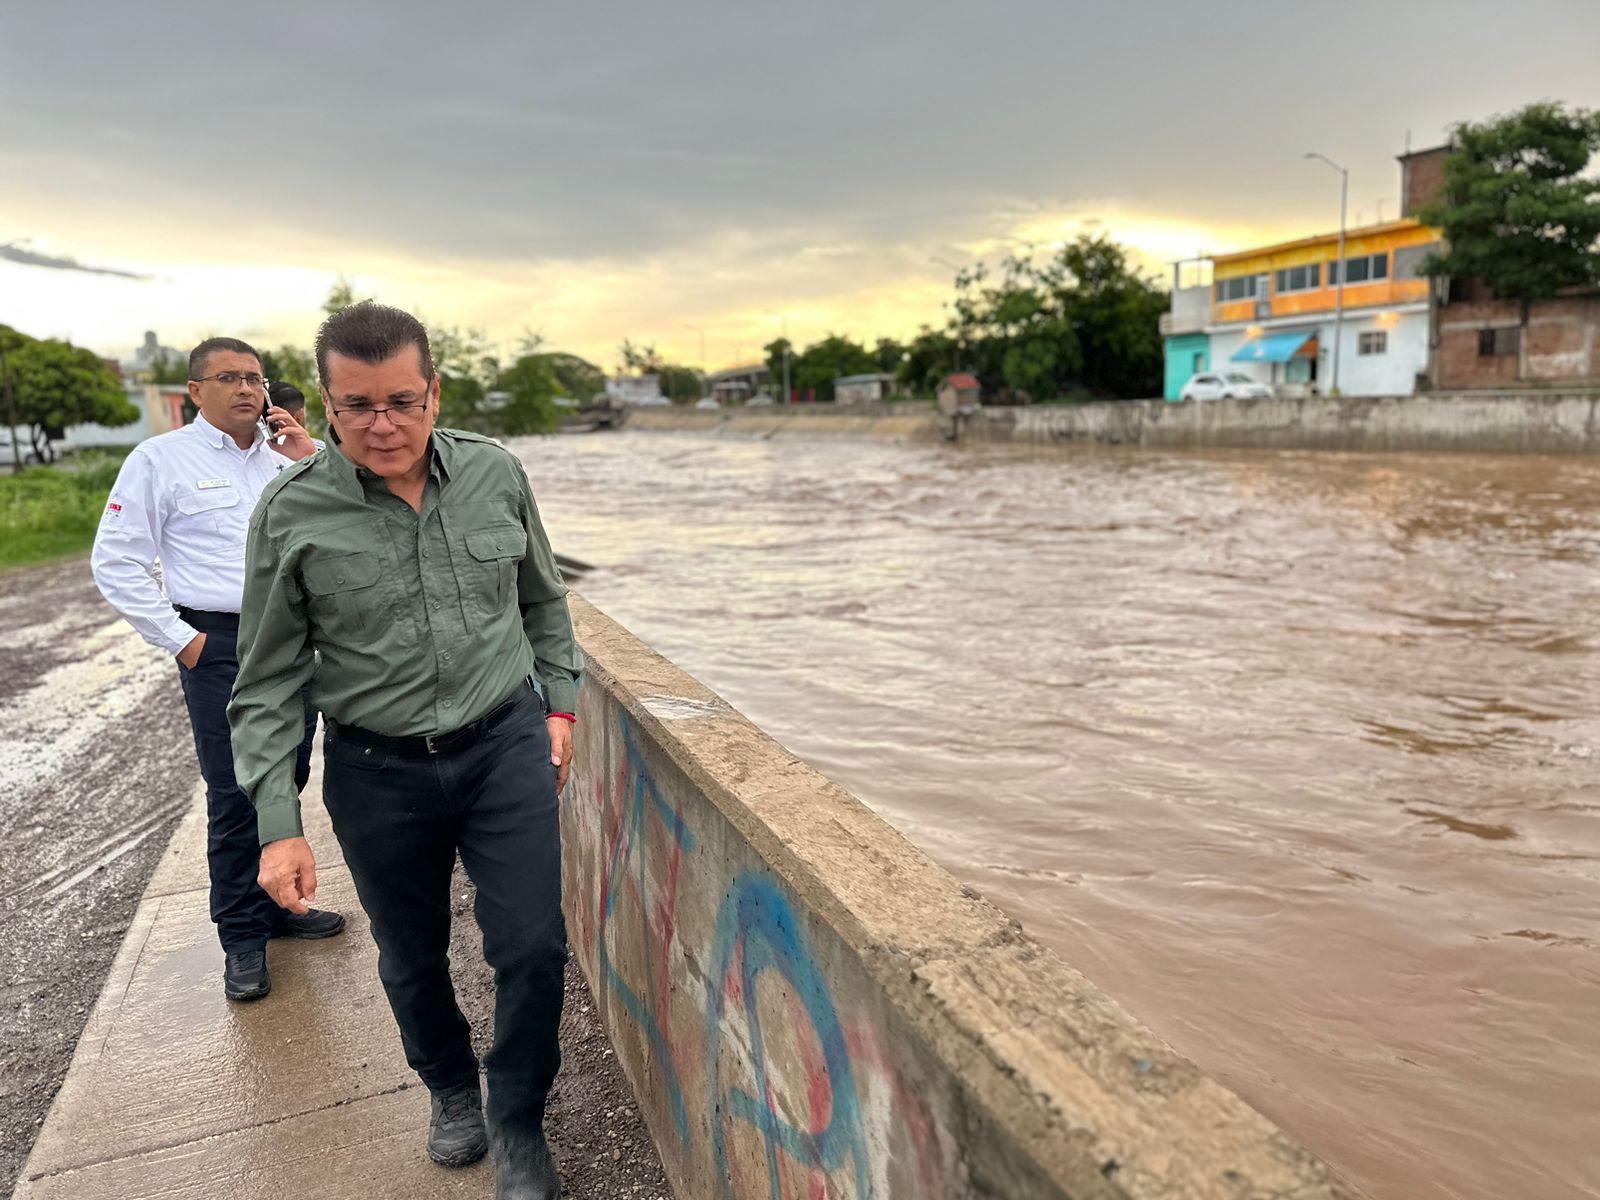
column 787, row 394
column 1338, row 293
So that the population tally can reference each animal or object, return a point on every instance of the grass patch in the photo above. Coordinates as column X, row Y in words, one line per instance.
column 52, row 512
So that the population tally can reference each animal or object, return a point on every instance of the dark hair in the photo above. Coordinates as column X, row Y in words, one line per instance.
column 285, row 394
column 198, row 356
column 371, row 332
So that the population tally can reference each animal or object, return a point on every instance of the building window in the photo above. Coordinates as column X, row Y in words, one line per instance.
column 1300, row 279
column 1365, row 268
column 1499, row 343
column 1241, row 288
column 1375, row 341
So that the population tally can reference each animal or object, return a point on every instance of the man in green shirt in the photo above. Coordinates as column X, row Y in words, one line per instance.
column 411, row 560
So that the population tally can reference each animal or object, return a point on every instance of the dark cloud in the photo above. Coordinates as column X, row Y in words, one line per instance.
column 539, row 131
column 32, row 258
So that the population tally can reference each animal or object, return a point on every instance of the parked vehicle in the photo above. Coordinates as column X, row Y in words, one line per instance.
column 1224, row 385
column 707, row 403
column 762, row 401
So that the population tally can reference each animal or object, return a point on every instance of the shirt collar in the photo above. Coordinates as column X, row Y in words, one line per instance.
column 353, row 480
column 212, row 436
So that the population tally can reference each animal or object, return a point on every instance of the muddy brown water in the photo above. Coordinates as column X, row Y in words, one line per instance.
column 1294, row 754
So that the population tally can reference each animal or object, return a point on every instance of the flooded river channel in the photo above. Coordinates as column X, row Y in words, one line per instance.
column 1294, row 754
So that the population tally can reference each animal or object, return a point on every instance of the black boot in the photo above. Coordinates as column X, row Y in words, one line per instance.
column 523, row 1168
column 244, row 975
column 456, row 1135
column 314, row 924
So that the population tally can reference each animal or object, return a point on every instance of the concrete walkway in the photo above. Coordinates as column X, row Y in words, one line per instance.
column 174, row 1092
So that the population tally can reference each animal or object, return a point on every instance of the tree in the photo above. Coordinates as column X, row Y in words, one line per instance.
column 777, row 352
column 1083, row 322
column 531, row 387
column 640, row 359
column 824, row 361
column 55, row 384
column 1515, row 212
column 340, row 296
column 890, row 354
column 578, row 377
column 929, row 357
column 681, row 384
column 169, row 368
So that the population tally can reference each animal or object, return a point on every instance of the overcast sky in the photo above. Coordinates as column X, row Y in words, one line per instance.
column 599, row 171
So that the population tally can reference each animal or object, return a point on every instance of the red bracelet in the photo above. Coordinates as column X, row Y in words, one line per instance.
column 566, row 717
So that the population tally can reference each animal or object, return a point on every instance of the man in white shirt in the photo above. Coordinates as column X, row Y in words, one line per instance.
column 185, row 498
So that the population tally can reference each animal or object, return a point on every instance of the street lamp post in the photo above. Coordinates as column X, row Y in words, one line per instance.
column 1338, row 291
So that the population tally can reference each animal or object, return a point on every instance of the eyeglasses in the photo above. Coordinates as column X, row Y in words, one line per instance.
column 401, row 412
column 229, row 378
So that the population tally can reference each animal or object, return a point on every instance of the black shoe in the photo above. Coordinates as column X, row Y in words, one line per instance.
column 523, row 1168
column 244, row 975
column 456, row 1135
column 315, row 924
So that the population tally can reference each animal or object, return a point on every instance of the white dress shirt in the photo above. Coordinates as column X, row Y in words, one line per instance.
column 184, row 498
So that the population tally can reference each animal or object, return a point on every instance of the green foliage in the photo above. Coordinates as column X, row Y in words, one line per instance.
column 638, row 359
column 55, row 384
column 1084, row 321
column 49, row 512
column 578, row 378
column 1516, row 212
column 929, row 357
column 530, row 385
column 775, row 351
column 824, row 361
column 169, row 368
column 681, row 384
column 889, row 354
column 340, row 296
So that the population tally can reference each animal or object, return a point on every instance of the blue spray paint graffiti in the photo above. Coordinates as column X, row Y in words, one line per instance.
column 757, row 929
column 640, row 799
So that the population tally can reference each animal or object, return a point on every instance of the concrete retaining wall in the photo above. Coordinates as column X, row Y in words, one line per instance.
column 807, row 1006
column 1525, row 423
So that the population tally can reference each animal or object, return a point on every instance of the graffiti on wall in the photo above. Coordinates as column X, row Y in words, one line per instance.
column 753, row 1061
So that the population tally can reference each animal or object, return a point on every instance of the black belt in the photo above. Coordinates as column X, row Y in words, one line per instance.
column 429, row 745
column 210, row 622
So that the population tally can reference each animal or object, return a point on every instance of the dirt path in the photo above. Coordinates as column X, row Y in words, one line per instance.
column 96, row 766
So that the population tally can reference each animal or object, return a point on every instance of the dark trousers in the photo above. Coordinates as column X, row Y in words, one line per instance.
column 401, row 821
column 245, row 915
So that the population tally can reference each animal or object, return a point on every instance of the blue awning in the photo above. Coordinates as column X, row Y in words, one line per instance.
column 1274, row 347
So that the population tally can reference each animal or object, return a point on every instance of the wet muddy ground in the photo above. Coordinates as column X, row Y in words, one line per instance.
column 96, row 767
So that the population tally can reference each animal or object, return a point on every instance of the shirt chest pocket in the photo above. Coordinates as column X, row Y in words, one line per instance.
column 206, row 517
column 495, row 553
column 342, row 593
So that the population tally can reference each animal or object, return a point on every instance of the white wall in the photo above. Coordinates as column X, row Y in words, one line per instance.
column 1393, row 373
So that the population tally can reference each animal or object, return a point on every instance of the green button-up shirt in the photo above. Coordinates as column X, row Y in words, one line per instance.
column 421, row 622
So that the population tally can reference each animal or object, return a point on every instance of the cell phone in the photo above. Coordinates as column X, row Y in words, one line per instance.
column 265, row 405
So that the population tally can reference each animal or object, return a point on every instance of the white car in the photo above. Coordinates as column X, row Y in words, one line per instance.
column 1224, row 385
column 707, row 403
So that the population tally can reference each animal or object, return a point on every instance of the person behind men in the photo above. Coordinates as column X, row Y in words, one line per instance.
column 293, row 401
column 185, row 498
column 412, row 561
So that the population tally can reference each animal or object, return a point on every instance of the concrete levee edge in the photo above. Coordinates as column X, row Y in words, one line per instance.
column 981, row 995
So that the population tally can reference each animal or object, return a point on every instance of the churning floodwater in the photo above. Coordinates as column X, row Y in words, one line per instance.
column 1294, row 754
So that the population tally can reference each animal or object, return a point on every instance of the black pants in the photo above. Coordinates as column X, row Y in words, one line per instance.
column 401, row 821
column 244, row 914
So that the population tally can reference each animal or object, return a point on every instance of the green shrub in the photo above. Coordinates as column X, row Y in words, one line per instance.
column 50, row 512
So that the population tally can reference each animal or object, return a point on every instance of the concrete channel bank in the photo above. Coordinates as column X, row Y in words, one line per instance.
column 1501, row 423
column 807, row 1006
